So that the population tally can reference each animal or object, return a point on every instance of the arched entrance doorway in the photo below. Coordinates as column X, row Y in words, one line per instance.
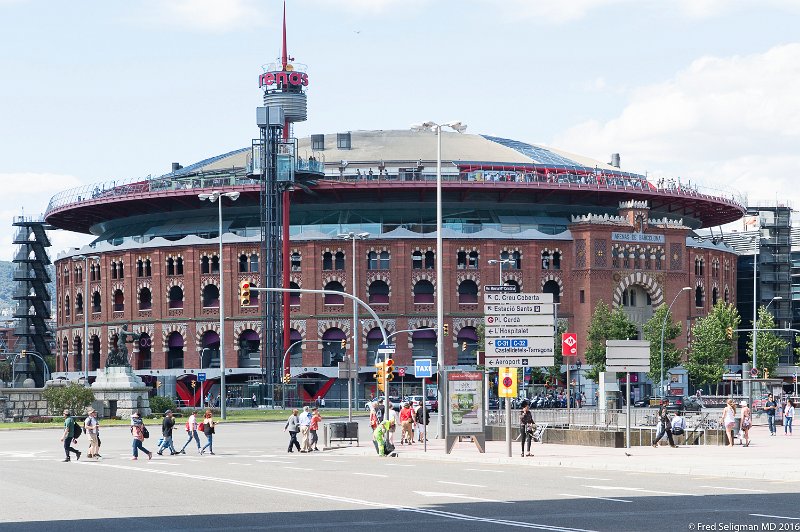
column 175, row 351
column 209, row 350
column 332, row 350
column 249, row 354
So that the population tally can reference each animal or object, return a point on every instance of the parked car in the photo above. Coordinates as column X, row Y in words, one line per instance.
column 414, row 400
column 687, row 403
column 644, row 401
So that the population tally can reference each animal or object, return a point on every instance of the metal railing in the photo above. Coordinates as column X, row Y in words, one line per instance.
column 596, row 419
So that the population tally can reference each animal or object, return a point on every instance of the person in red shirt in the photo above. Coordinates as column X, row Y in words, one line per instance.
column 407, row 423
column 313, row 427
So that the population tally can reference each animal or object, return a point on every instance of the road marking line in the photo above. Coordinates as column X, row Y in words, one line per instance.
column 398, row 465
column 486, row 470
column 642, row 490
column 734, row 489
column 777, row 517
column 238, row 463
column 591, row 497
column 460, row 484
column 589, row 478
column 371, row 475
column 275, row 461
column 347, row 500
column 458, row 496
column 336, row 461
column 299, row 468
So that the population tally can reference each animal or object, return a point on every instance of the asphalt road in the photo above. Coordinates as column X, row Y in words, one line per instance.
column 252, row 483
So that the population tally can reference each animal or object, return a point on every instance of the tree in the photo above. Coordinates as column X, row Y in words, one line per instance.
column 769, row 345
column 711, row 347
column 605, row 325
column 73, row 397
column 652, row 332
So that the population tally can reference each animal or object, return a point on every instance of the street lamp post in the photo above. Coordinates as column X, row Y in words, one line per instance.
column 85, row 259
column 212, row 197
column 354, row 236
column 663, row 326
column 460, row 128
column 755, row 292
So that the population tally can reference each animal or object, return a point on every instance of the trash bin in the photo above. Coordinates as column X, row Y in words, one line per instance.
column 338, row 430
column 352, row 430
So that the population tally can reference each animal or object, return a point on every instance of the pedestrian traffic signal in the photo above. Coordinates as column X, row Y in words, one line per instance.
column 344, row 343
column 729, row 332
column 389, row 369
column 445, row 329
column 244, row 293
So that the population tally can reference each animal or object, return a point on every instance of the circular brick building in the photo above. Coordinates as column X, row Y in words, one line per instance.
column 580, row 229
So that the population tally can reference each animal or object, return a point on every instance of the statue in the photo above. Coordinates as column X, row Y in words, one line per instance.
column 118, row 357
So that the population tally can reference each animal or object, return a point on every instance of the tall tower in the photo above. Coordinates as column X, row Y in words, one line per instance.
column 284, row 84
column 33, row 298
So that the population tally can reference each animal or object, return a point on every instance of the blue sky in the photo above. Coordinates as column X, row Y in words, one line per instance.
column 701, row 89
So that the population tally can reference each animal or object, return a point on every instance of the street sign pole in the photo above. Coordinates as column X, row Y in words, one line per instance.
column 628, row 409
column 508, row 426
column 424, row 417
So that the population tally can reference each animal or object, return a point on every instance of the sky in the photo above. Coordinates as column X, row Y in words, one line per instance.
column 701, row 90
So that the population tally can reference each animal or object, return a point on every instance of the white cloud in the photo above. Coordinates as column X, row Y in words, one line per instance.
column 731, row 120
column 23, row 192
column 216, row 16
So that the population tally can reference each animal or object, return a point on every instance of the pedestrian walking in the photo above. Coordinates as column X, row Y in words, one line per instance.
column 208, row 425
column 770, row 407
column 92, row 428
column 728, row 420
column 191, row 431
column 373, row 416
column 665, row 425
column 305, row 424
column 254, row 401
column 167, row 424
column 139, row 432
column 314, row 427
column 407, row 424
column 394, row 416
column 526, row 429
column 380, row 410
column 745, row 422
column 69, row 437
column 293, row 426
column 423, row 417
column 788, row 414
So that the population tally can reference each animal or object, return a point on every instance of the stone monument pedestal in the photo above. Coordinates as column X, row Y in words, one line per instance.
column 118, row 391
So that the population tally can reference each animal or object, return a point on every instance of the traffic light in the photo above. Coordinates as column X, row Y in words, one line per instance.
column 23, row 353
column 287, row 378
column 464, row 346
column 766, row 373
column 729, row 332
column 244, row 293
column 158, row 383
column 379, row 375
column 445, row 329
column 389, row 367
column 344, row 343
column 194, row 384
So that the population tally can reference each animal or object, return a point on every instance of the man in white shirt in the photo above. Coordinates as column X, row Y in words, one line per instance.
column 191, row 430
column 93, row 430
column 678, row 424
column 305, row 424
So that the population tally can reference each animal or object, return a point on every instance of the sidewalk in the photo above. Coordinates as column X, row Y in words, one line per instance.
column 767, row 457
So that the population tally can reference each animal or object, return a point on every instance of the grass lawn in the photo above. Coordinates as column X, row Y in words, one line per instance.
column 233, row 415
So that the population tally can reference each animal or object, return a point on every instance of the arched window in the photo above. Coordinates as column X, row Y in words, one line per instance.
column 545, row 260
column 338, row 263
column 372, row 260
column 120, row 270
column 77, row 347
column 175, row 297
column 209, row 350
column 119, row 301
column 379, row 293
column 294, row 297
column 148, row 268
column 727, row 296
column 242, row 263
column 253, row 263
column 615, row 257
column 659, row 261
column 94, row 346
column 698, row 296
column 139, row 268
column 467, row 292
column 170, row 266
column 297, row 263
column 145, row 299
column 714, row 295
column 179, row 266
column 205, row 264
column 551, row 287
column 334, row 299
column 66, row 306
column 175, row 351
column 249, row 353
column 145, row 351
column 113, row 270
column 461, row 260
column 473, row 260
column 96, row 302
column 327, row 261
column 416, row 260
column 429, row 260
column 210, row 296
column 215, row 264
column 556, row 260
column 78, row 303
column 423, row 292
column 385, row 262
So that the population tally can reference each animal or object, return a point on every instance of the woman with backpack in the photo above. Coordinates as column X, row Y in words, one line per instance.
column 207, row 426
column 139, row 432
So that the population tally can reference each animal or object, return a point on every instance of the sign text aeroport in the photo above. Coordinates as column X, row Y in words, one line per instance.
column 283, row 78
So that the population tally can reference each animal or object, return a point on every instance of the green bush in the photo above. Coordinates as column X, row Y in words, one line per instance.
column 160, row 404
column 74, row 398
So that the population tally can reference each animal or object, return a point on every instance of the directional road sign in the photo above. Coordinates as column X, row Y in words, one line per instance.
column 529, row 319
column 201, row 377
column 508, row 288
column 519, row 362
column 423, row 368
column 536, row 346
column 501, row 331
column 526, row 297
column 627, row 355
column 519, row 308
